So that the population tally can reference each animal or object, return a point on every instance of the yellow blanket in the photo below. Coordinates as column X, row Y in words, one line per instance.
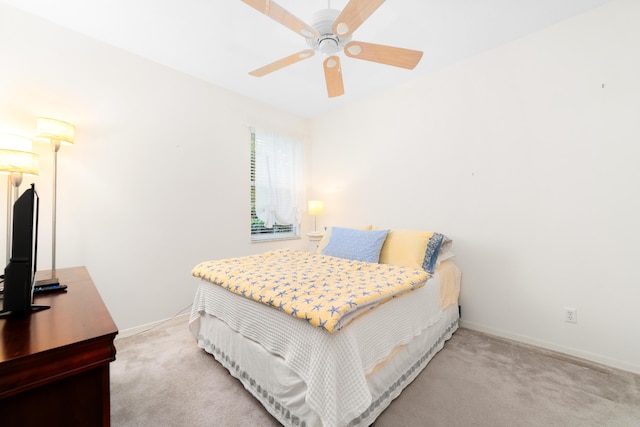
column 323, row 290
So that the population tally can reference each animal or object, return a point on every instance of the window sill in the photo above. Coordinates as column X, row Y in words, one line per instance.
column 259, row 238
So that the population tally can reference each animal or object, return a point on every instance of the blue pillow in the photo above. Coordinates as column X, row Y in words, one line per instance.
column 360, row 245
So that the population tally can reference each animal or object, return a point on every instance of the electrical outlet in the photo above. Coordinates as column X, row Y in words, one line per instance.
column 570, row 315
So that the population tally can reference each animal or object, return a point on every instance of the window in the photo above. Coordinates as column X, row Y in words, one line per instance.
column 276, row 184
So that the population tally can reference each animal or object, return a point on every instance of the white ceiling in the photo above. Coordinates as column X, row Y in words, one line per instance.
column 220, row 41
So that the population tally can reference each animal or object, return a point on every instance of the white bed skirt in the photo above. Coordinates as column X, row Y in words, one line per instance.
column 283, row 392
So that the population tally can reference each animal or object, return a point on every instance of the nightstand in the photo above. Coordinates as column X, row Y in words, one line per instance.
column 314, row 240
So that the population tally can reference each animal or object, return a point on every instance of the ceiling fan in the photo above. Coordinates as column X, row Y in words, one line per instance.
column 329, row 34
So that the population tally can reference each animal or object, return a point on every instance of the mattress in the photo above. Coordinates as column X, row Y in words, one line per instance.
column 305, row 376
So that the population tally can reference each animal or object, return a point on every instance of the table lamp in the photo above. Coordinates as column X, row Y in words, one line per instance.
column 315, row 208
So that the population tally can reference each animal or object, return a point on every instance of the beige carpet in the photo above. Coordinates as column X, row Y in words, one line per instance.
column 161, row 378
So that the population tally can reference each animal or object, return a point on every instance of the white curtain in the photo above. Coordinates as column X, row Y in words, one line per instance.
column 278, row 179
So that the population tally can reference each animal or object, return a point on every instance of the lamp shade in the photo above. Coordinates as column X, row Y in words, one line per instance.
column 16, row 155
column 13, row 161
column 55, row 130
column 315, row 207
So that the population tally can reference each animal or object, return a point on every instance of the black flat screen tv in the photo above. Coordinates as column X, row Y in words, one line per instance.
column 19, row 274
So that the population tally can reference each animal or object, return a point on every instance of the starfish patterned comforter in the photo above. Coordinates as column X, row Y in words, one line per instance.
column 327, row 292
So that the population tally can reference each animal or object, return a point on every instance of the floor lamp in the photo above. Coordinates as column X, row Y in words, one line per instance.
column 16, row 159
column 55, row 132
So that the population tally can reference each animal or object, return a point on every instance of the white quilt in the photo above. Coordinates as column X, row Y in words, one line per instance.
column 334, row 366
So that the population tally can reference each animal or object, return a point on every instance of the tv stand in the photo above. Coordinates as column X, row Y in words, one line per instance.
column 54, row 364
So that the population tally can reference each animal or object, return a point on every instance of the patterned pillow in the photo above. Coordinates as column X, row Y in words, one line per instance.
column 360, row 245
column 431, row 254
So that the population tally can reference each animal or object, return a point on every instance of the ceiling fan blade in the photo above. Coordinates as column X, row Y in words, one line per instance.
column 333, row 76
column 281, row 63
column 279, row 14
column 389, row 55
column 353, row 15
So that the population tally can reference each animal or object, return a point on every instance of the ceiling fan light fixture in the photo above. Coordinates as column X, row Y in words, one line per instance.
column 327, row 42
column 329, row 45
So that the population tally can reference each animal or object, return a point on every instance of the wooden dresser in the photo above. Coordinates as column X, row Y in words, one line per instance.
column 54, row 364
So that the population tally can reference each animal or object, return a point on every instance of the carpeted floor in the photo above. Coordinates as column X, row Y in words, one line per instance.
column 161, row 378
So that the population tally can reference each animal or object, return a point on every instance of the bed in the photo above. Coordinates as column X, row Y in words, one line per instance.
column 308, row 372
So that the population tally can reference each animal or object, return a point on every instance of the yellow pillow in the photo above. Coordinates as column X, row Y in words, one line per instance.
column 325, row 239
column 405, row 248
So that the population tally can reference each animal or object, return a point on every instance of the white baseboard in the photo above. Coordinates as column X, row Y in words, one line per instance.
column 592, row 357
column 142, row 328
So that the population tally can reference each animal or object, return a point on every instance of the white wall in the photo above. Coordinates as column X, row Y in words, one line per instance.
column 158, row 179
column 527, row 156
